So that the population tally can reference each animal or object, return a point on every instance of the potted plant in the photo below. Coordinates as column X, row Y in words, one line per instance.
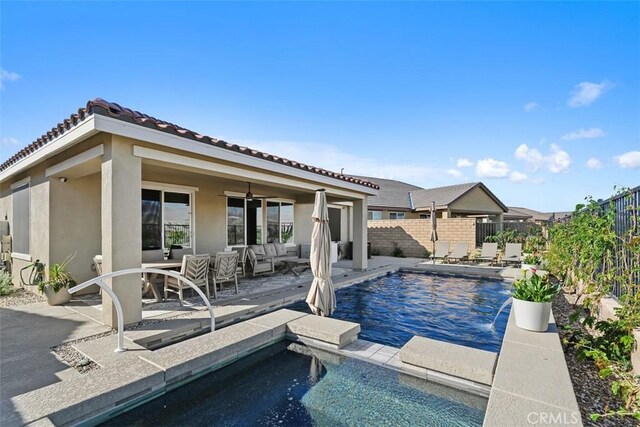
column 531, row 262
column 55, row 287
column 532, row 296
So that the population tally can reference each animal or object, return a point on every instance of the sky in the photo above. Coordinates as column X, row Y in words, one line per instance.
column 540, row 101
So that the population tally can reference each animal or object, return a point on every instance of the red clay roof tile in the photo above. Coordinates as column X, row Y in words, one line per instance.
column 116, row 111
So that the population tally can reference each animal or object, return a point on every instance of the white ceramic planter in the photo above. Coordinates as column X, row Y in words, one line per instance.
column 532, row 316
column 57, row 298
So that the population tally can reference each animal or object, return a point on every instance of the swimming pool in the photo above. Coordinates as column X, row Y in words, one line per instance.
column 288, row 384
column 393, row 308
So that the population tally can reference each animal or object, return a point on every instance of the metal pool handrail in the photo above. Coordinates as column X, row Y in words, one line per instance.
column 100, row 281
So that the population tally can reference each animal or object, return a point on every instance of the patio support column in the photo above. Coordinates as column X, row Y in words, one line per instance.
column 121, row 228
column 500, row 220
column 360, row 234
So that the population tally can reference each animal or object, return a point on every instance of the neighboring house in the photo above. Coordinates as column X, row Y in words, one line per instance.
column 519, row 214
column 113, row 181
column 399, row 200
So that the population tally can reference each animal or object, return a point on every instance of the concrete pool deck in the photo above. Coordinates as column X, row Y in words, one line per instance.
column 243, row 308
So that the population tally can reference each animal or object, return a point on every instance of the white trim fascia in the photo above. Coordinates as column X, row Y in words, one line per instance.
column 24, row 257
column 119, row 127
column 150, row 185
column 74, row 161
column 70, row 137
column 235, row 171
column 21, row 183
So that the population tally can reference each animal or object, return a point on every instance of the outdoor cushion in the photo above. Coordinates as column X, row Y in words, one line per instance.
column 281, row 249
column 258, row 250
column 251, row 254
column 270, row 250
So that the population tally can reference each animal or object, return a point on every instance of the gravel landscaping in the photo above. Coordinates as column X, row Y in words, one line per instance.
column 20, row 296
column 592, row 392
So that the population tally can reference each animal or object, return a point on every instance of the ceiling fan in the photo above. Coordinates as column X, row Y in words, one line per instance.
column 250, row 196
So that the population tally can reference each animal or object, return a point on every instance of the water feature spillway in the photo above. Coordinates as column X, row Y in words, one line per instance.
column 502, row 307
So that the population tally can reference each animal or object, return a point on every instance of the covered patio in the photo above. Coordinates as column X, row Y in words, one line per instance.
column 117, row 186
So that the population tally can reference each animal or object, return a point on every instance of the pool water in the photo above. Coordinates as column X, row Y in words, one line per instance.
column 393, row 308
column 288, row 384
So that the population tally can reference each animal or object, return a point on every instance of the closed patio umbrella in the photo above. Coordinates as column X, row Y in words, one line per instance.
column 321, row 298
column 434, row 229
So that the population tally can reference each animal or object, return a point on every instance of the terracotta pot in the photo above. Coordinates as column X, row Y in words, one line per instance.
column 57, row 298
column 532, row 316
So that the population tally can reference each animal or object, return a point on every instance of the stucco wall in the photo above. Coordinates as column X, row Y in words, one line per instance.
column 412, row 235
column 476, row 201
column 75, row 224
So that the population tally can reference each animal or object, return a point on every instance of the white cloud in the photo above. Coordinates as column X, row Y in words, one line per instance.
column 454, row 173
column 594, row 163
column 517, row 176
column 530, row 106
column 533, row 157
column 584, row 134
column 490, row 168
column 464, row 163
column 585, row 93
column 558, row 160
column 334, row 158
column 7, row 76
column 9, row 141
column 629, row 160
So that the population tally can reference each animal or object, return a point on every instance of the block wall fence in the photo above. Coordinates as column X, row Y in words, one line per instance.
column 413, row 235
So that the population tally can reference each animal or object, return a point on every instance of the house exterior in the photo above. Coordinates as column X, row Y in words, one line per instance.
column 399, row 200
column 113, row 181
column 519, row 214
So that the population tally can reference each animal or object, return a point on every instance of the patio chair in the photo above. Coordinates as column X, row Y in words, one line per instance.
column 242, row 257
column 194, row 268
column 489, row 252
column 225, row 269
column 179, row 253
column 460, row 252
column 97, row 265
column 259, row 266
column 442, row 251
column 512, row 253
column 152, row 255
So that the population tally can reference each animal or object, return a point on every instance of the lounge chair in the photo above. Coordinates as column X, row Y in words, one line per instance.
column 512, row 253
column 196, row 269
column 242, row 257
column 489, row 253
column 460, row 252
column 442, row 251
column 225, row 269
column 259, row 265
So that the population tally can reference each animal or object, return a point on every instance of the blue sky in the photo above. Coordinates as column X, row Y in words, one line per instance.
column 540, row 101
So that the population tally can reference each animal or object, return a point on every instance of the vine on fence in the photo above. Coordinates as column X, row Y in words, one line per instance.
column 582, row 253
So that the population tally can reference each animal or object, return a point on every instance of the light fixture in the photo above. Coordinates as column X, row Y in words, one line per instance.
column 63, row 179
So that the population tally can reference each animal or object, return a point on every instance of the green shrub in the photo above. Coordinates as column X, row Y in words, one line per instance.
column 534, row 289
column 59, row 277
column 397, row 251
column 532, row 259
column 6, row 287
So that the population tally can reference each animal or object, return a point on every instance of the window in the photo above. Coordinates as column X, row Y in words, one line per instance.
column 244, row 221
column 235, row 221
column 374, row 215
column 425, row 216
column 279, row 222
column 166, row 219
column 396, row 215
column 21, row 218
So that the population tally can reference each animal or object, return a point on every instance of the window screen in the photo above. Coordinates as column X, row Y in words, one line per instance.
column 21, row 219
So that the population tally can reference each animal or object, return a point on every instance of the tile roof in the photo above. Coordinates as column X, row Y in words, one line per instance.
column 116, row 111
column 443, row 196
column 525, row 213
column 392, row 194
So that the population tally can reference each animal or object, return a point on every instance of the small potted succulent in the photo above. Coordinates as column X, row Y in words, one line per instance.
column 532, row 296
column 531, row 262
column 55, row 287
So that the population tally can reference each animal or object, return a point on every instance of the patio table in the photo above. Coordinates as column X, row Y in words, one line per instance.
column 294, row 264
column 150, row 279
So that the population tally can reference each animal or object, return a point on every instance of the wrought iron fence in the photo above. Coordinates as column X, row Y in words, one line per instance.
column 486, row 229
column 177, row 234
column 626, row 207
